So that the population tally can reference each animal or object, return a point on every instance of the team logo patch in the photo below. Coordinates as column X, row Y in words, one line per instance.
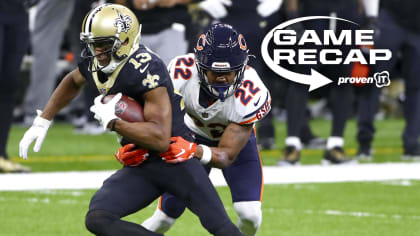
column 123, row 22
column 120, row 107
column 151, row 81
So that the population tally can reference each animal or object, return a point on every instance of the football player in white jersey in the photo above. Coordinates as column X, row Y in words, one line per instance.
column 223, row 97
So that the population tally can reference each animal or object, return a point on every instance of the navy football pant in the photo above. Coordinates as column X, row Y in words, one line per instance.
column 244, row 177
column 133, row 188
column 14, row 42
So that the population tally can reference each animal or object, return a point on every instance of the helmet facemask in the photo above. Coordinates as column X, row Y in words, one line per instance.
column 220, row 91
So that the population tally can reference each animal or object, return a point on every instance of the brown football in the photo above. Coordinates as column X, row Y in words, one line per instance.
column 127, row 108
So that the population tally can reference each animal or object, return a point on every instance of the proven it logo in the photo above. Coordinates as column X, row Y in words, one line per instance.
column 282, row 37
column 379, row 79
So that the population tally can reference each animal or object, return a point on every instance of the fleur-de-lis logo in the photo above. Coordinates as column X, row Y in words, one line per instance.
column 151, row 81
column 123, row 23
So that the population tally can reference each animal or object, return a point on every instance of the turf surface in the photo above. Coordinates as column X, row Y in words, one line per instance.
column 372, row 208
column 367, row 208
column 63, row 150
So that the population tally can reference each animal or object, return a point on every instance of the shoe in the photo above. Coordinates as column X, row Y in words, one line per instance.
column 411, row 155
column 364, row 152
column 291, row 157
column 92, row 128
column 266, row 144
column 7, row 166
column 336, row 156
column 315, row 143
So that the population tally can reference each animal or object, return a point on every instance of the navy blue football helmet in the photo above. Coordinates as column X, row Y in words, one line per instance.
column 221, row 49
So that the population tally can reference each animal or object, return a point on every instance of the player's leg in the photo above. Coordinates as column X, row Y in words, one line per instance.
column 245, row 179
column 14, row 42
column 125, row 192
column 411, row 56
column 169, row 208
column 198, row 193
column 51, row 20
column 369, row 95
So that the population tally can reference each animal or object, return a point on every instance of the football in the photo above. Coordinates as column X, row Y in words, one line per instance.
column 127, row 108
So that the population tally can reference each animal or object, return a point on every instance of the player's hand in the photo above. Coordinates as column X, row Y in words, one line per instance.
column 179, row 150
column 267, row 7
column 216, row 8
column 129, row 157
column 104, row 113
column 37, row 132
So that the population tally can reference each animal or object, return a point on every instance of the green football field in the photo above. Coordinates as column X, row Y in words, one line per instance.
column 344, row 208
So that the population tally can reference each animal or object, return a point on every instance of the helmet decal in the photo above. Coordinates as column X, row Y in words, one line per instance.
column 242, row 42
column 201, row 42
column 89, row 17
column 123, row 23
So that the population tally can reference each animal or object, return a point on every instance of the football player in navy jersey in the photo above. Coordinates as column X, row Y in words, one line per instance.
column 224, row 98
column 117, row 64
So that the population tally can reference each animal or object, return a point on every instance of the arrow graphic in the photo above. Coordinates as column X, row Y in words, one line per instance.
column 315, row 79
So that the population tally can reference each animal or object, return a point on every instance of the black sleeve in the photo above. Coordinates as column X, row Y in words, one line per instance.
column 83, row 67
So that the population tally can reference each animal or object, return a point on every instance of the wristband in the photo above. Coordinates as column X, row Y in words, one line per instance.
column 206, row 156
column 42, row 122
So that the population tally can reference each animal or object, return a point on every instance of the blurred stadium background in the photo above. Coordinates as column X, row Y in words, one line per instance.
column 383, row 207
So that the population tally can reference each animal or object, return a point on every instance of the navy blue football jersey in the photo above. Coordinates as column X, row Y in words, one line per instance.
column 140, row 73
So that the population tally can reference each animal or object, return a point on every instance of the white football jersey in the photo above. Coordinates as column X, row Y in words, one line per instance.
column 250, row 103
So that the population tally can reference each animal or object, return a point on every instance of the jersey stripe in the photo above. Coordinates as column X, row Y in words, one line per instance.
column 253, row 113
column 88, row 22
column 248, row 121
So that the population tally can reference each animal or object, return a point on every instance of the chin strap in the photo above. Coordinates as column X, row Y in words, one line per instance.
column 221, row 91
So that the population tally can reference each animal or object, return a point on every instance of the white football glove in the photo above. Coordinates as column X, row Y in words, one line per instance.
column 37, row 131
column 104, row 113
column 216, row 8
column 268, row 7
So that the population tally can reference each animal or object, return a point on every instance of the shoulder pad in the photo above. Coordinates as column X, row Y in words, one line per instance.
column 252, row 98
column 259, row 112
column 141, row 60
column 181, row 69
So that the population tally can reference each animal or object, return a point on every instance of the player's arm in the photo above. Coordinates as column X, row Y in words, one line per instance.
column 155, row 131
column 66, row 91
column 234, row 138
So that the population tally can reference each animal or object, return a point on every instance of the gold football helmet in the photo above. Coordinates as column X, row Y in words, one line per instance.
column 110, row 24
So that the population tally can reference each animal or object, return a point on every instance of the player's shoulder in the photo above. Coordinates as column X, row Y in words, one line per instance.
column 252, row 98
column 251, row 74
column 182, row 70
column 185, row 61
column 144, row 61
